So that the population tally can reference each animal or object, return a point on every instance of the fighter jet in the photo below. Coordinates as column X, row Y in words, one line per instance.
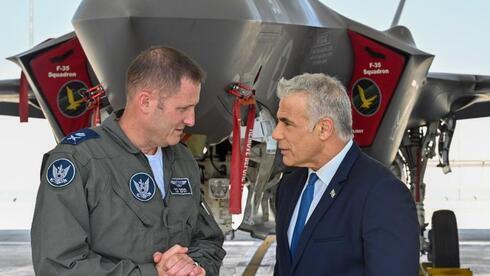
column 400, row 111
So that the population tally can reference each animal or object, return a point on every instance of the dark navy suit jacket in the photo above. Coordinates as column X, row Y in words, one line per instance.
column 369, row 227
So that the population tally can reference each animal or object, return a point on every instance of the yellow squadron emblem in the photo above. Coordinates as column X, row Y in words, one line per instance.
column 72, row 104
column 366, row 97
column 366, row 103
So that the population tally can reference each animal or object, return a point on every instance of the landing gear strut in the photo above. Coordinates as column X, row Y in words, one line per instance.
column 418, row 146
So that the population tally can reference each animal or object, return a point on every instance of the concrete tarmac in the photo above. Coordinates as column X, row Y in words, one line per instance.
column 15, row 253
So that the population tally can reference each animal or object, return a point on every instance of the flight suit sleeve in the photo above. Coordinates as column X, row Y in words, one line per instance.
column 206, row 246
column 390, row 230
column 60, row 233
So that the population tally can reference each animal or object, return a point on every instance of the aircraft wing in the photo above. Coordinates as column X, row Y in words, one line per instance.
column 9, row 100
column 460, row 95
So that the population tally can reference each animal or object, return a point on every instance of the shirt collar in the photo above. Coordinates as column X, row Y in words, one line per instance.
column 327, row 171
column 156, row 155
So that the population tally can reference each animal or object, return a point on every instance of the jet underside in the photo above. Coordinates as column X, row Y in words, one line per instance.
column 247, row 42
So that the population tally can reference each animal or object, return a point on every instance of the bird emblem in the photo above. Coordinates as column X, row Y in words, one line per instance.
column 142, row 188
column 59, row 174
column 366, row 103
column 73, row 104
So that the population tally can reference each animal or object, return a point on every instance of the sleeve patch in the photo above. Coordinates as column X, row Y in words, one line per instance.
column 60, row 173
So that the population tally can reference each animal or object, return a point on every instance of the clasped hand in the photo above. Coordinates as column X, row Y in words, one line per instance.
column 175, row 261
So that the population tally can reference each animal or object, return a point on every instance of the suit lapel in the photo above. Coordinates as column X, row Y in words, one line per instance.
column 331, row 193
column 297, row 186
column 292, row 191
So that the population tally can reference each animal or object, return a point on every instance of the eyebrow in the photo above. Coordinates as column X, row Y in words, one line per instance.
column 187, row 106
column 286, row 120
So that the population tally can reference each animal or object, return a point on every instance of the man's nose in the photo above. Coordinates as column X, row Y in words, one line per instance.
column 190, row 118
column 276, row 133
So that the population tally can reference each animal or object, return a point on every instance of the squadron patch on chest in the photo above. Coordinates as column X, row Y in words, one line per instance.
column 142, row 186
column 60, row 173
column 180, row 186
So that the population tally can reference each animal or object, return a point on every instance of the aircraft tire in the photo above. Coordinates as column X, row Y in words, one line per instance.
column 444, row 240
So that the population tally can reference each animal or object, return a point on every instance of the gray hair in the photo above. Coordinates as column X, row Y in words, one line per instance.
column 327, row 98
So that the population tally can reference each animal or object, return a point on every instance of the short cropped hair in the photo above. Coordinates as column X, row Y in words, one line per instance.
column 162, row 69
column 327, row 98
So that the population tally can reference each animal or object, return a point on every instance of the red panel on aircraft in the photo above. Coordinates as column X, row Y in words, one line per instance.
column 61, row 74
column 377, row 70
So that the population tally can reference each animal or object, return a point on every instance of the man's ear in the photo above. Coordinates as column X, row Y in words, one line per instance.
column 325, row 127
column 144, row 101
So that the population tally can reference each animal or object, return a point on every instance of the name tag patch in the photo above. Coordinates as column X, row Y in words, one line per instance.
column 180, row 186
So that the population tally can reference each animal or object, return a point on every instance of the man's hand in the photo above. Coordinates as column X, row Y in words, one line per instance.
column 175, row 261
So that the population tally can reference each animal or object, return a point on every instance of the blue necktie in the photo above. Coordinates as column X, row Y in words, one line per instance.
column 304, row 207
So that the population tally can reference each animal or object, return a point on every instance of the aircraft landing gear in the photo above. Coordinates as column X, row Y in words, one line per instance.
column 443, row 240
column 417, row 147
column 443, row 253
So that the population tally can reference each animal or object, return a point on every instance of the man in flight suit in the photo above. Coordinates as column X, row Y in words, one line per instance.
column 124, row 198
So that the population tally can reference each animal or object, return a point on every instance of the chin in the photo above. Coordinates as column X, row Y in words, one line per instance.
column 287, row 162
column 173, row 141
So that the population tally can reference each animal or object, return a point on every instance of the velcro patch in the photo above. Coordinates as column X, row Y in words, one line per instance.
column 180, row 186
column 77, row 137
column 60, row 173
column 142, row 186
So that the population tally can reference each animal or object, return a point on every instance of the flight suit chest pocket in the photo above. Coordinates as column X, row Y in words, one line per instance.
column 179, row 218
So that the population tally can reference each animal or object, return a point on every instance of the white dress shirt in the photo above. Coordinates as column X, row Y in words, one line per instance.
column 325, row 175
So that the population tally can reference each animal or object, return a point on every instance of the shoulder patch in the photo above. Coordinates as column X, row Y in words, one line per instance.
column 77, row 137
column 60, row 173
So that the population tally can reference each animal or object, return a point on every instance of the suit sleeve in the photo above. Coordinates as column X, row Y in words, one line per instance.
column 206, row 246
column 390, row 230
column 60, row 233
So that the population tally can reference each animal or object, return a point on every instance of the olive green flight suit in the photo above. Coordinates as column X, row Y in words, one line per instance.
column 98, row 213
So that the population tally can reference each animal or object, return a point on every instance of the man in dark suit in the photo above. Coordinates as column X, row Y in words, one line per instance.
column 340, row 212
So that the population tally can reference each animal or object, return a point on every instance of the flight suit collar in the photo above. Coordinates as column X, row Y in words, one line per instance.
column 111, row 125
